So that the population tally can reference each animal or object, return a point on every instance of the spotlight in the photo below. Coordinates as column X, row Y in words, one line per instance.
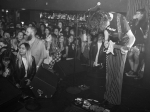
column 98, row 3
column 6, row 11
column 46, row 3
column 23, row 9
column 3, row 10
column 22, row 23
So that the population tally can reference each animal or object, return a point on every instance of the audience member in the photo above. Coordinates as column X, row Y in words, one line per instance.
column 37, row 46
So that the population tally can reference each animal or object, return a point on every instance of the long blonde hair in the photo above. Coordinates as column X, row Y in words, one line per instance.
column 28, row 56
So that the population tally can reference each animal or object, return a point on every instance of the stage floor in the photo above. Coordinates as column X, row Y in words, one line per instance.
column 135, row 98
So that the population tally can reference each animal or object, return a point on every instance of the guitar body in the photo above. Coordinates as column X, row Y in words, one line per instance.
column 112, row 46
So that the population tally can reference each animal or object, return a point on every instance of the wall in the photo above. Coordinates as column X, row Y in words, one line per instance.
column 79, row 5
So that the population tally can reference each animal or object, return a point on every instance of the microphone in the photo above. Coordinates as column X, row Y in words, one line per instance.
column 98, row 4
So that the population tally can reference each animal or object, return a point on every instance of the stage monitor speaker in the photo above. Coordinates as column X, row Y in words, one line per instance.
column 68, row 67
column 9, row 94
column 44, row 83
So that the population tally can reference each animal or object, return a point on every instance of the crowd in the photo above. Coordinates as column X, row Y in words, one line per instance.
column 24, row 48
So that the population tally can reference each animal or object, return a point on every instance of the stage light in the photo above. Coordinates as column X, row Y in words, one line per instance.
column 46, row 3
column 3, row 10
column 6, row 11
column 23, row 9
column 22, row 23
column 98, row 3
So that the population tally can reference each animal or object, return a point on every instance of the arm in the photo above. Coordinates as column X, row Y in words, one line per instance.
column 131, row 39
column 126, row 29
column 106, row 37
column 66, row 51
column 48, row 45
column 43, row 55
column 33, row 71
column 146, row 29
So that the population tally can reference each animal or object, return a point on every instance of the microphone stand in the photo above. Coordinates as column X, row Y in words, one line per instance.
column 74, row 89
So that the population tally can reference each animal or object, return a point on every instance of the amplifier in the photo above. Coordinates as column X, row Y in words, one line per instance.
column 9, row 94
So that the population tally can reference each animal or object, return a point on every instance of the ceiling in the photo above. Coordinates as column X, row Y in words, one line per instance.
column 69, row 5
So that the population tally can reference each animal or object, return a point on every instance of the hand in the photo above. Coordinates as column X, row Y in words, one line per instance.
column 65, row 55
column 135, row 16
column 145, row 36
column 106, row 44
column 110, row 47
column 95, row 64
column 4, row 74
column 18, row 86
column 124, row 49
column 28, row 82
column 37, row 67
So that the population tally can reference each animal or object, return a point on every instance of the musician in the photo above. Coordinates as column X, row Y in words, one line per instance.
column 115, row 29
column 140, row 28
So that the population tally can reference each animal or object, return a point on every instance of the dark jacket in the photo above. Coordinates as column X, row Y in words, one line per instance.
column 94, row 50
column 20, row 72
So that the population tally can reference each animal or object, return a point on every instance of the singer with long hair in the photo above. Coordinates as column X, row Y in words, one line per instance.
column 118, row 40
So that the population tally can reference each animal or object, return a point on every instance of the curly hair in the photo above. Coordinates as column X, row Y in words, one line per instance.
column 97, row 20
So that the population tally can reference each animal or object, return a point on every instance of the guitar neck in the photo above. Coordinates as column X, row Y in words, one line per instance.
column 120, row 46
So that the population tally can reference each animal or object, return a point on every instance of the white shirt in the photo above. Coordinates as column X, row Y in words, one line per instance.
column 99, row 46
column 25, row 65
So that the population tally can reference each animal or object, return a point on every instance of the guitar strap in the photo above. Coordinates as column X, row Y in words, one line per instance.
column 119, row 26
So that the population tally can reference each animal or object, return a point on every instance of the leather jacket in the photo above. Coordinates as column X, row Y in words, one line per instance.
column 20, row 72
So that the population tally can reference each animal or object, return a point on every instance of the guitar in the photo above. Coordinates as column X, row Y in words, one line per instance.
column 112, row 45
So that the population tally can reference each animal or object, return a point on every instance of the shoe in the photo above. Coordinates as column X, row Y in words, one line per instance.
column 112, row 107
column 104, row 103
column 130, row 74
column 140, row 75
column 23, row 99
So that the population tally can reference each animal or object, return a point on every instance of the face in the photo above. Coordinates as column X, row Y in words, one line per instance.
column 29, row 34
column 60, row 25
column 20, row 36
column 138, row 15
column 84, row 31
column 18, row 25
column 93, row 32
column 71, row 39
column 24, row 31
column 2, row 44
column 6, row 62
column 72, row 32
column 67, row 29
column 22, row 50
column 6, row 35
column 61, row 39
column 47, row 31
column 56, row 32
column 30, row 25
column 89, row 38
column 42, row 27
column 25, row 37
column 1, row 27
